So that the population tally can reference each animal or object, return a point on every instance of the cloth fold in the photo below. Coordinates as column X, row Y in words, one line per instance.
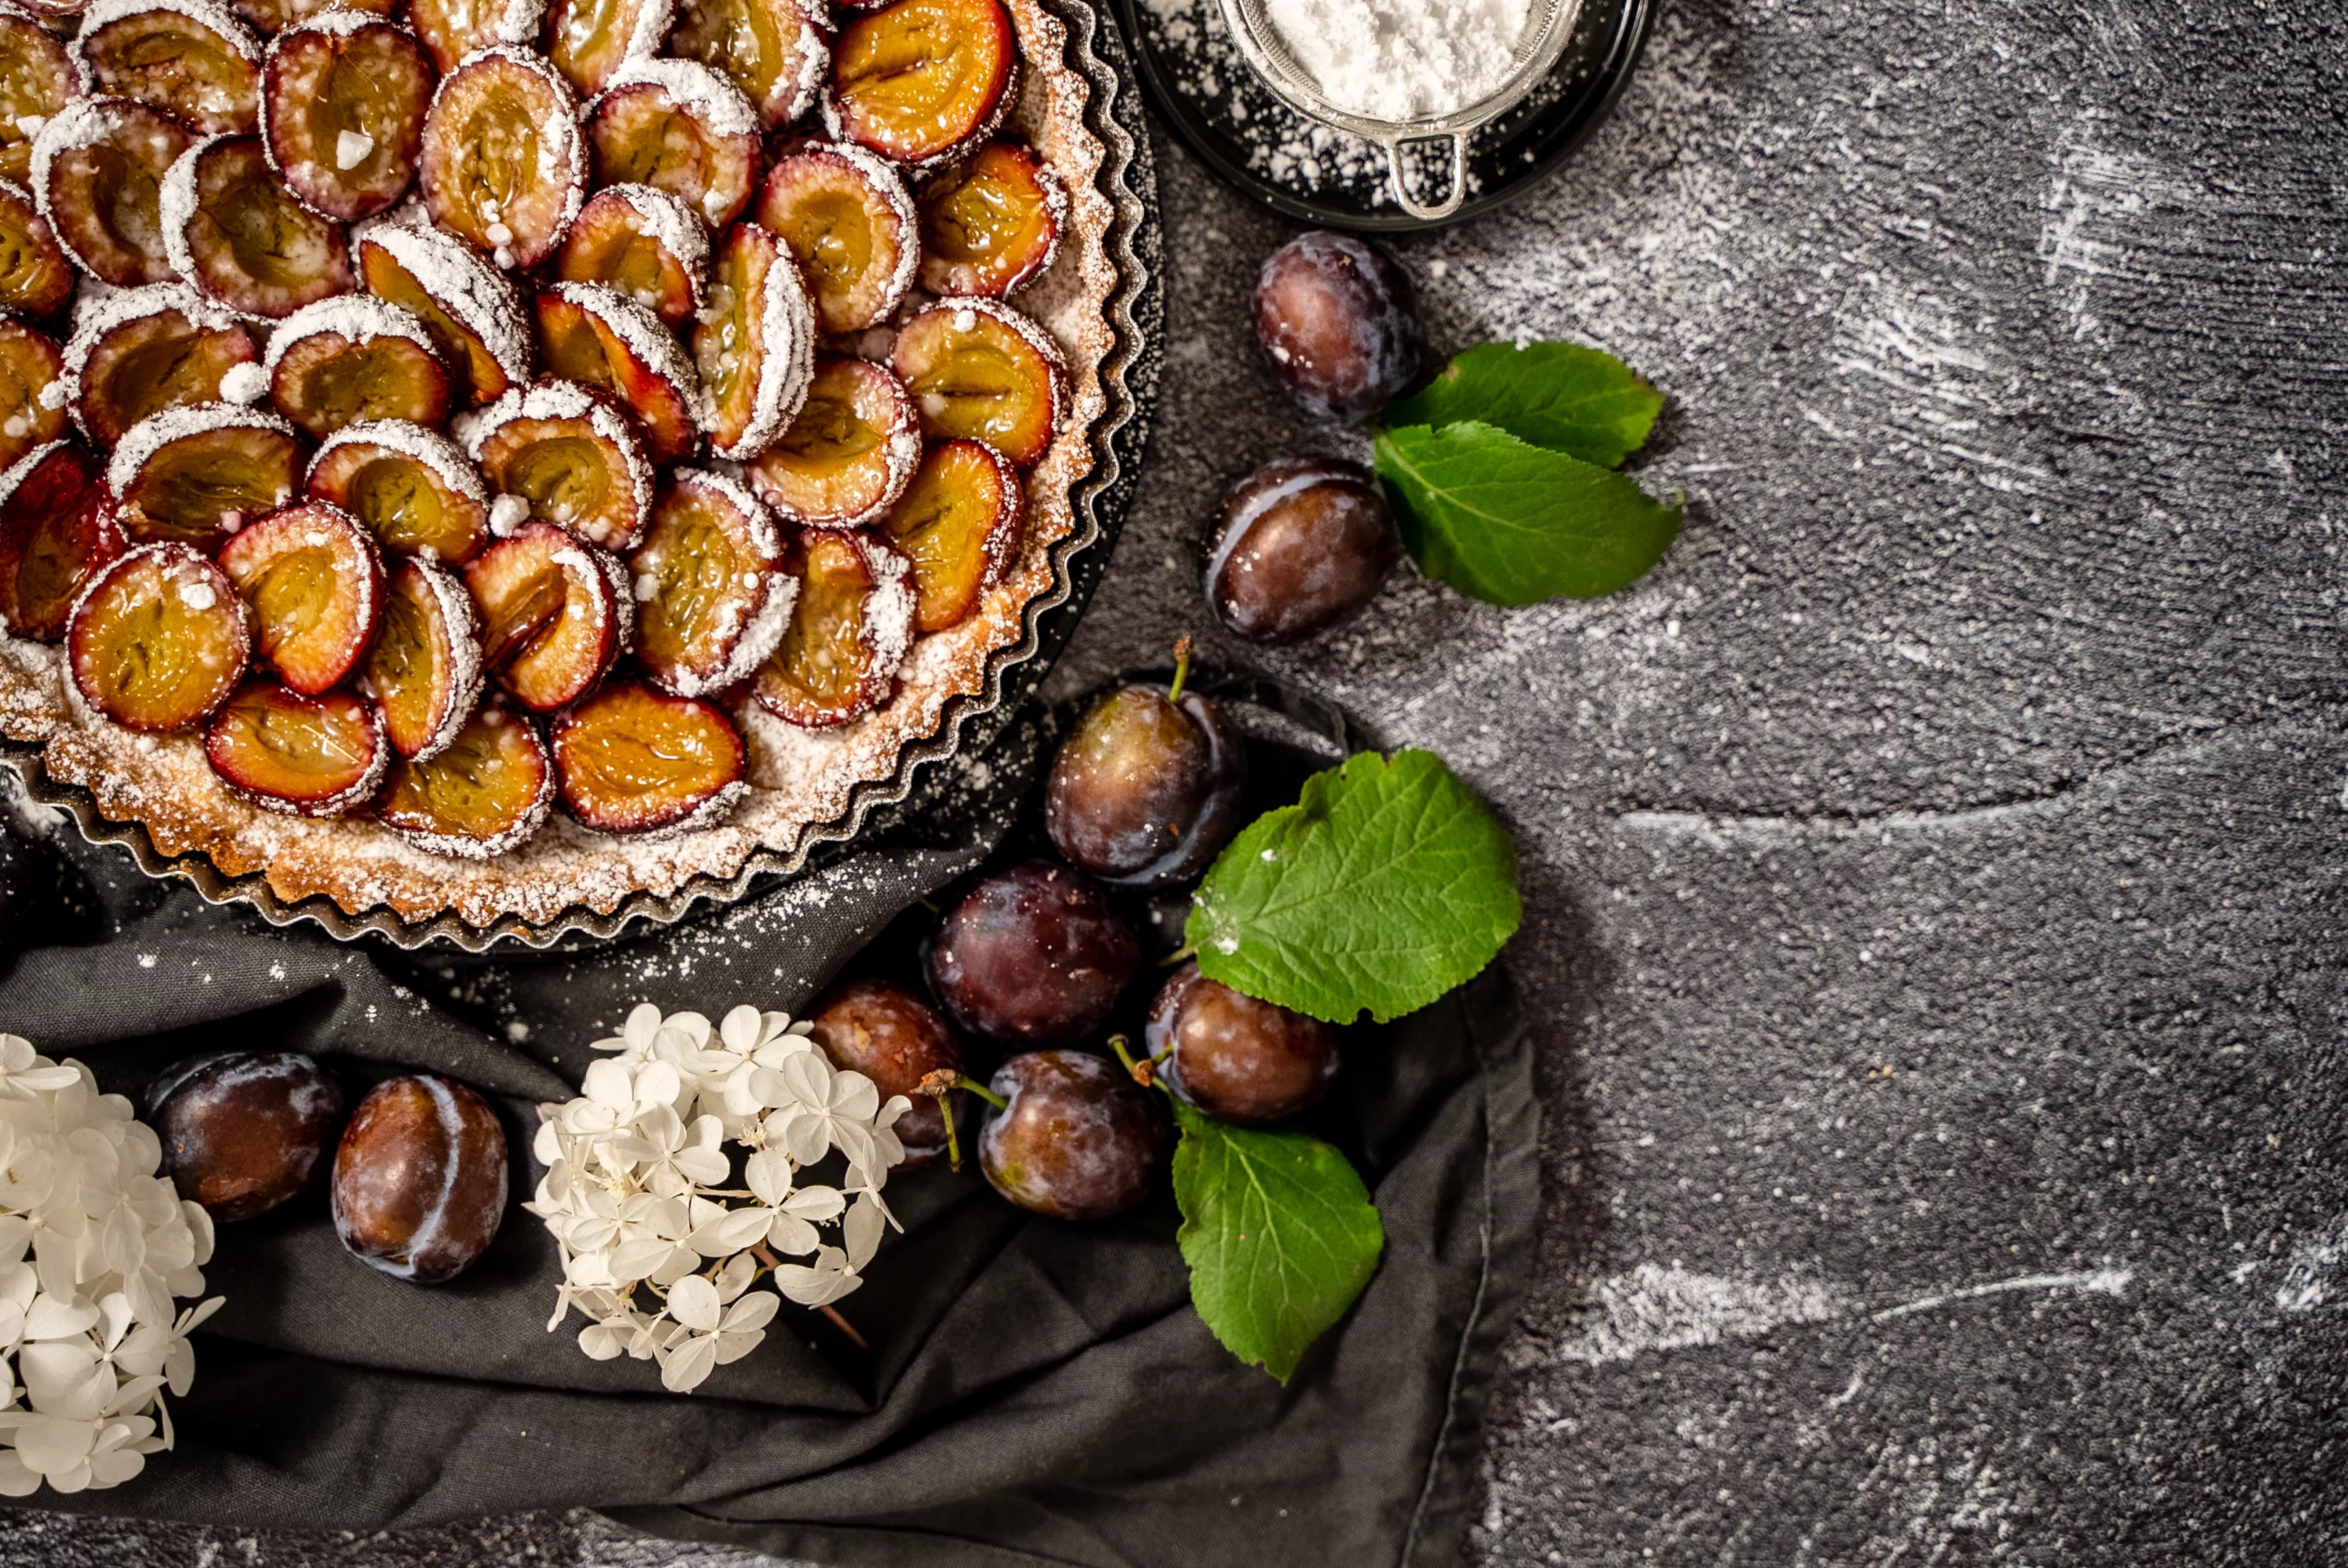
column 1036, row 1392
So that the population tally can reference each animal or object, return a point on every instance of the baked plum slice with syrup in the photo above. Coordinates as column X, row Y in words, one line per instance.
column 957, row 522
column 483, row 793
column 299, row 756
column 714, row 596
column 920, row 81
column 979, row 370
column 555, row 615
column 423, row 669
column 851, row 625
column 313, row 582
column 158, row 639
column 630, row 759
column 57, row 533
column 849, row 453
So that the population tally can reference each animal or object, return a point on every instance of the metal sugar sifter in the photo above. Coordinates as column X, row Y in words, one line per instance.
column 1547, row 32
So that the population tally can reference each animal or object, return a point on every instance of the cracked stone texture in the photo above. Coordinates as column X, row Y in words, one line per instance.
column 1933, row 868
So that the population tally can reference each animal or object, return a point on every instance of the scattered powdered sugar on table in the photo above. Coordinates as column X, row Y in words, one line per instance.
column 1281, row 145
column 1400, row 59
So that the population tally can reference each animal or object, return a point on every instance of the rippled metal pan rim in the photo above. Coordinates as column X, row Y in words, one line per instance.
column 1128, row 382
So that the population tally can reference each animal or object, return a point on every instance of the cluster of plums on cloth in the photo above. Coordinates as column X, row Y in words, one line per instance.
column 1304, row 543
column 417, row 1179
column 1032, row 959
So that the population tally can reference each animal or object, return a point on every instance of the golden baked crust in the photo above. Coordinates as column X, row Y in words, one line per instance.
column 801, row 779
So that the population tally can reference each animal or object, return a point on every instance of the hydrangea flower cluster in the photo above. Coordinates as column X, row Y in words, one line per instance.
column 661, row 1234
column 93, row 1247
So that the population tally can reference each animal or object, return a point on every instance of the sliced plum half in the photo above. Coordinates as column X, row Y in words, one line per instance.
column 645, row 243
column 555, row 615
column 98, row 169
column 343, row 100
column 354, row 359
column 959, row 525
column 571, row 457
column 425, row 670
column 196, row 475
column 57, row 533
column 990, row 224
column 920, row 81
column 474, row 311
column 315, row 584
column 850, row 451
column 158, row 639
column 630, row 759
column 755, row 343
column 713, row 597
column 236, row 232
column 979, row 370
column 482, row 794
column 504, row 167
column 679, row 127
column 191, row 59
column 297, row 753
column 36, row 278
column 409, row 487
column 851, row 626
column 601, row 339
column 143, row 350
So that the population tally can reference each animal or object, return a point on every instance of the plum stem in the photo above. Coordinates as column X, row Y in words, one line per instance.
column 1181, row 669
column 937, row 1086
column 1188, row 950
column 984, row 1093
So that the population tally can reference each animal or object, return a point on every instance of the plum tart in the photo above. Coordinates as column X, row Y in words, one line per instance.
column 679, row 127
column 35, row 277
column 504, row 167
column 425, row 670
column 191, row 59
column 196, row 475
column 849, row 453
column 57, row 532
column 158, row 639
column 849, row 224
column 315, row 584
column 599, row 338
column 473, row 311
column 233, row 229
column 771, row 49
column 568, row 457
column 851, row 624
column 453, row 442
column 97, row 173
column 143, row 350
column 307, row 754
column 713, row 589
column 408, row 486
column 342, row 105
column 352, row 359
column 645, row 243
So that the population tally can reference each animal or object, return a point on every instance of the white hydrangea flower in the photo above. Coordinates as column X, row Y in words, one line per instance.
column 93, row 1247
column 675, row 1179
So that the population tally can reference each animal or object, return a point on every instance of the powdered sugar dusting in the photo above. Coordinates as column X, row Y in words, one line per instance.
column 692, row 89
column 96, row 317
column 483, row 299
column 670, row 222
column 176, row 206
column 151, row 435
column 656, row 348
column 358, row 318
column 241, row 40
column 408, row 439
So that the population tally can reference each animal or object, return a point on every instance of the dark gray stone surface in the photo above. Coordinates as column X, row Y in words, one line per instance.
column 1934, row 868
